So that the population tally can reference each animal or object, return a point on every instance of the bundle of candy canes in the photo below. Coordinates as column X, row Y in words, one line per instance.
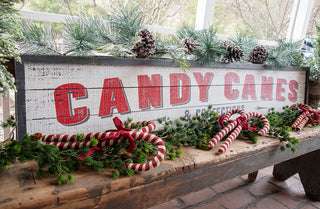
column 236, row 126
column 109, row 138
column 305, row 117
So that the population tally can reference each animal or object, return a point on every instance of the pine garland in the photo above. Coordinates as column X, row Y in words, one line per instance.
column 196, row 131
column 285, row 54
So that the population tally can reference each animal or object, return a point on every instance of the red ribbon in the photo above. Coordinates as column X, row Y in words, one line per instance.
column 242, row 120
column 309, row 113
column 120, row 131
column 91, row 151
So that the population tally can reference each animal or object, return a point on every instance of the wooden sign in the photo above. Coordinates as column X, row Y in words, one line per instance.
column 71, row 95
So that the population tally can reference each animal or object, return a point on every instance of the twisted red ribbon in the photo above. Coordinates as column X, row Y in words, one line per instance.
column 120, row 131
column 309, row 113
column 242, row 120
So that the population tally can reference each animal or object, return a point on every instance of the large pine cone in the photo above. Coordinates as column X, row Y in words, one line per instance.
column 258, row 55
column 234, row 53
column 146, row 46
column 189, row 44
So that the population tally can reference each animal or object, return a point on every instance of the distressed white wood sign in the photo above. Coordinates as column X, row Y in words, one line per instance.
column 70, row 95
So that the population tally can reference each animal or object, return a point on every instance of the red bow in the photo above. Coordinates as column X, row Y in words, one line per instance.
column 120, row 131
column 309, row 113
column 242, row 120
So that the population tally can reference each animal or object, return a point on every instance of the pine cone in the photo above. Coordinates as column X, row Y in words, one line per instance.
column 189, row 44
column 234, row 53
column 258, row 55
column 146, row 46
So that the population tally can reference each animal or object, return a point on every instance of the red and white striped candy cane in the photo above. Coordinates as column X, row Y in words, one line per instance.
column 242, row 124
column 214, row 141
column 232, row 112
column 305, row 116
column 230, row 139
column 113, row 137
column 226, row 129
column 237, row 126
column 147, row 126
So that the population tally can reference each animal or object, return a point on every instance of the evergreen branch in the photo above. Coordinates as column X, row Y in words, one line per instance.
column 37, row 40
column 245, row 42
column 209, row 49
column 187, row 31
column 80, row 36
column 125, row 25
column 285, row 54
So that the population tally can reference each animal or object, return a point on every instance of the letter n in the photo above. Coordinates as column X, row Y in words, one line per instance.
column 149, row 91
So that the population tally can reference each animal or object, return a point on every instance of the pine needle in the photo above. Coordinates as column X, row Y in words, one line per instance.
column 37, row 40
column 245, row 42
column 80, row 36
column 285, row 54
column 125, row 25
column 209, row 49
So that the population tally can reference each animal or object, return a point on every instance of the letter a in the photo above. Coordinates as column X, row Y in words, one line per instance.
column 112, row 96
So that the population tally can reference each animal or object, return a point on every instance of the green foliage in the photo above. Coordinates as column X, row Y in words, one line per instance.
column 116, row 50
column 187, row 131
column 280, row 123
column 171, row 48
column 37, row 40
column 209, row 49
column 80, row 36
column 9, row 123
column 245, row 42
column 187, row 31
column 6, row 78
column 314, row 61
column 125, row 25
column 195, row 131
column 285, row 54
column 8, row 49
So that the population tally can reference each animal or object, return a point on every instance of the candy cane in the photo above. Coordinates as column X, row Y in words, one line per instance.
column 242, row 124
column 226, row 129
column 109, row 138
column 232, row 112
column 236, row 127
column 305, row 116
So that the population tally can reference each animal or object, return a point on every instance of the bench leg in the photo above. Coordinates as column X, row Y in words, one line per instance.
column 309, row 172
column 286, row 169
column 252, row 176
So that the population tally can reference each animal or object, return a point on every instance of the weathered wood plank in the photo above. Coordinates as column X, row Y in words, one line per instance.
column 195, row 170
column 74, row 95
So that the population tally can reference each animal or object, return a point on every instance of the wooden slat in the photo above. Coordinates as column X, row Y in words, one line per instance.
column 195, row 170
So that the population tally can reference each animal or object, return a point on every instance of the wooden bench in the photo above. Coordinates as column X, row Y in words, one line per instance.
column 195, row 170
